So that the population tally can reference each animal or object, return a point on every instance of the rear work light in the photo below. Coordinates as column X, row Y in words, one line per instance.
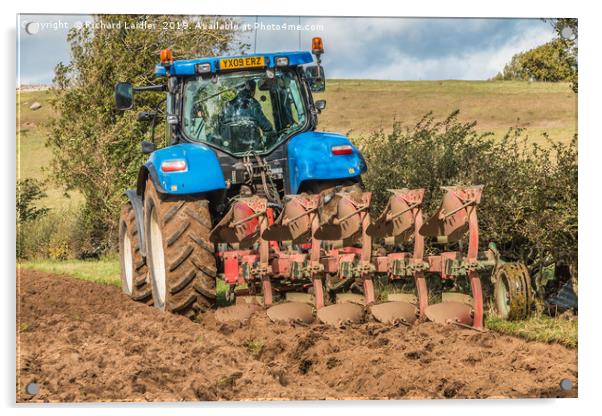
column 341, row 150
column 281, row 61
column 203, row 68
column 174, row 165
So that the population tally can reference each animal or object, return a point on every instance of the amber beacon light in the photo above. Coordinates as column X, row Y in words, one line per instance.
column 317, row 46
column 166, row 57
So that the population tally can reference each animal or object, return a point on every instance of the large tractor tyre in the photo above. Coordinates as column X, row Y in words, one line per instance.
column 134, row 277
column 180, row 256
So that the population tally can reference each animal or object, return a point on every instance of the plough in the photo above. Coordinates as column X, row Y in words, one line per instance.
column 323, row 245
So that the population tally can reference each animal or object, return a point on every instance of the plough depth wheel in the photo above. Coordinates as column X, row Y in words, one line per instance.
column 512, row 291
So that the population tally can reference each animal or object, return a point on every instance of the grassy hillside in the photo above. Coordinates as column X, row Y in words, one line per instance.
column 33, row 157
column 361, row 106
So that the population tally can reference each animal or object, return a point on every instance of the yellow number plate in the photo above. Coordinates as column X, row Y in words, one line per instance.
column 240, row 63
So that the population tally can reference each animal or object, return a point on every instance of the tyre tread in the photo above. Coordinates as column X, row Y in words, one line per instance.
column 190, row 261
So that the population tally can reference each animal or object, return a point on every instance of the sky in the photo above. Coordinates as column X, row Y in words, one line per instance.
column 355, row 48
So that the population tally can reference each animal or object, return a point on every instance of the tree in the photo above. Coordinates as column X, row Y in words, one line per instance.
column 96, row 147
column 554, row 61
column 543, row 63
column 29, row 191
column 567, row 32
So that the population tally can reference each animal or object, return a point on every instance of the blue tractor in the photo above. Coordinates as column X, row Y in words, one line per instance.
column 248, row 193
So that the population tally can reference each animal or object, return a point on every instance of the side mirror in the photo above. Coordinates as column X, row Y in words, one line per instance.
column 316, row 78
column 124, row 95
column 320, row 105
column 147, row 147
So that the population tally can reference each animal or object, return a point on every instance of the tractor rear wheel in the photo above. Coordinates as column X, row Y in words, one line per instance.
column 134, row 276
column 180, row 256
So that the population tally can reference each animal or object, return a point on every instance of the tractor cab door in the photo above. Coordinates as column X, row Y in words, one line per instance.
column 287, row 107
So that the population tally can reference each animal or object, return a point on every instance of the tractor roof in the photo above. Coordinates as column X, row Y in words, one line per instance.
column 189, row 66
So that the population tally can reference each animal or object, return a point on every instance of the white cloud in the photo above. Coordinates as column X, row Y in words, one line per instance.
column 412, row 48
column 471, row 64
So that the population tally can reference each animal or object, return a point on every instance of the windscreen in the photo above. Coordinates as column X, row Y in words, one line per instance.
column 245, row 111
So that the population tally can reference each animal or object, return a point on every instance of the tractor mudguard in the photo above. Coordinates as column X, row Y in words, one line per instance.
column 311, row 157
column 138, row 205
column 200, row 173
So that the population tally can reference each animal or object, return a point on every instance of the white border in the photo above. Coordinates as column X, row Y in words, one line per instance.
column 589, row 174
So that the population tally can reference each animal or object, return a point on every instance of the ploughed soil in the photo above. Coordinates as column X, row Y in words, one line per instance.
column 81, row 341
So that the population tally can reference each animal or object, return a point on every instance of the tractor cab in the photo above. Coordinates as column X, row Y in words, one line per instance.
column 245, row 111
column 238, row 105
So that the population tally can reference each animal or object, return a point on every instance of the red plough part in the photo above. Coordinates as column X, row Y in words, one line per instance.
column 241, row 228
column 343, row 222
column 398, row 224
column 456, row 217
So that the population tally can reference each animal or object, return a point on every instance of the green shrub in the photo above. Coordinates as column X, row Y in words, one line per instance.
column 529, row 204
column 88, row 237
column 42, row 237
column 59, row 249
column 59, row 235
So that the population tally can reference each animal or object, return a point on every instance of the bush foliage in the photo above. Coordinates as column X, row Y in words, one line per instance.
column 48, row 236
column 529, row 204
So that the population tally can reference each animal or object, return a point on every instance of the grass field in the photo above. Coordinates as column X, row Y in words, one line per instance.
column 106, row 271
column 539, row 328
column 32, row 154
column 359, row 107
column 33, row 157
column 364, row 106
